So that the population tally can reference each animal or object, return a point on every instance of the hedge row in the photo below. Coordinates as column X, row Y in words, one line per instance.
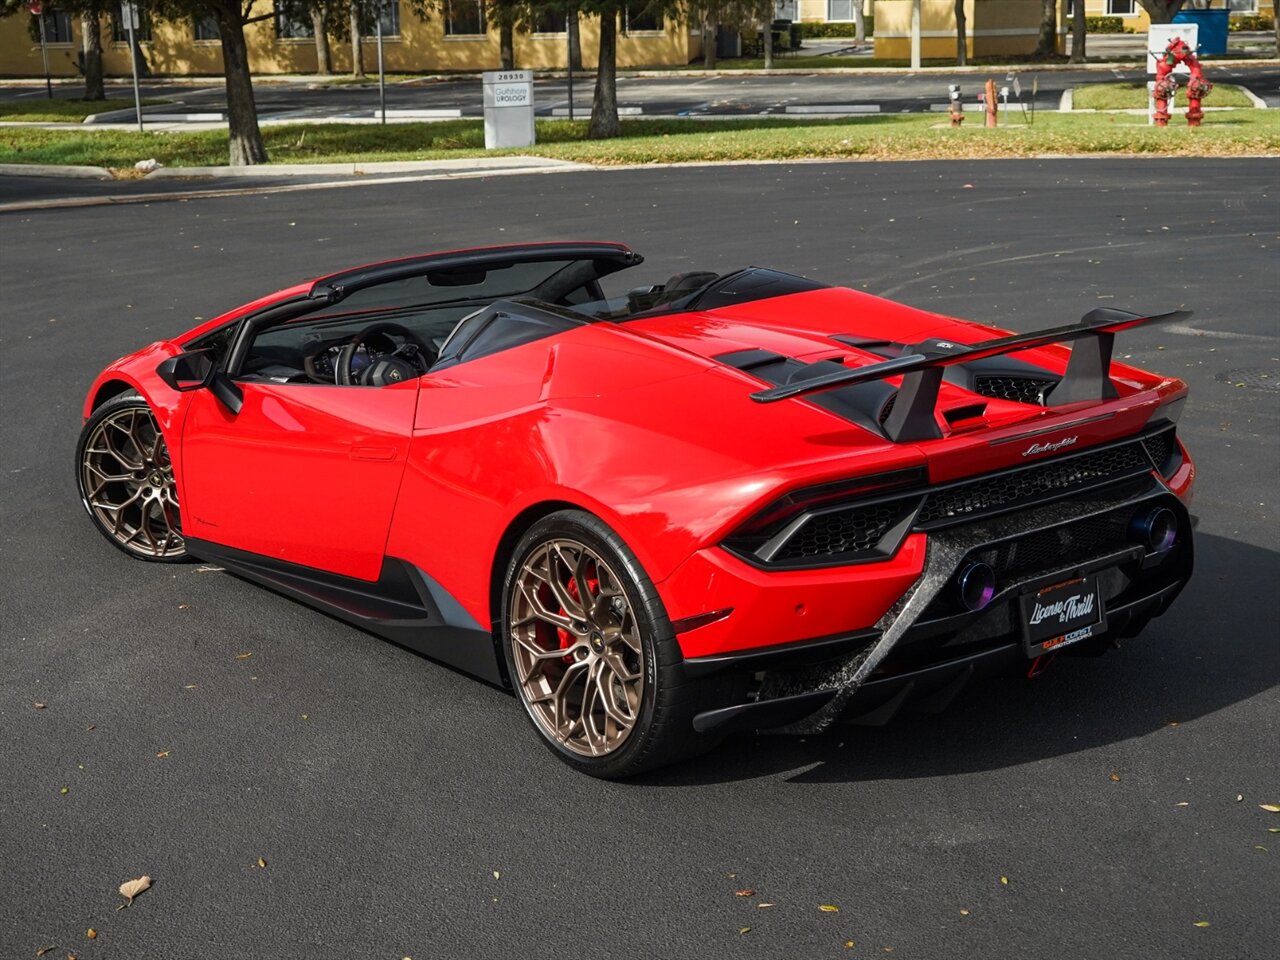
column 1106, row 25
column 816, row 29
column 1252, row 22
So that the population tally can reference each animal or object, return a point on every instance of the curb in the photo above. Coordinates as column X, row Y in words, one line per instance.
column 54, row 170
column 470, row 167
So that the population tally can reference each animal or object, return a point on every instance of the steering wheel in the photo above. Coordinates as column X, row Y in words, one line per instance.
column 404, row 362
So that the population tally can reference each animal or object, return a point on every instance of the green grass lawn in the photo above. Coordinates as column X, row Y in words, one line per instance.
column 1133, row 96
column 44, row 110
column 670, row 141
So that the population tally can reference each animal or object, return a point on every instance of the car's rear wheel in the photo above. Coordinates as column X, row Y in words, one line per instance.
column 126, row 482
column 591, row 653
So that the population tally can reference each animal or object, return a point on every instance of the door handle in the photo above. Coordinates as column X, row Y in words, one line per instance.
column 373, row 453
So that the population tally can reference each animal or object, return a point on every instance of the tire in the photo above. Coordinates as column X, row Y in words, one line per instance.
column 126, row 483
column 601, row 682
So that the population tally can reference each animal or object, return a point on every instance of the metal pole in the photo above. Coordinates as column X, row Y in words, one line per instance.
column 382, row 77
column 133, row 60
column 568, row 59
column 44, row 52
column 915, row 34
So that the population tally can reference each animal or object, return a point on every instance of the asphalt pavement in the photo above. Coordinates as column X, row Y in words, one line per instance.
column 297, row 788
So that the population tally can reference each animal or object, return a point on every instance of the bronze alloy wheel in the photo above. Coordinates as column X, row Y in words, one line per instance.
column 126, row 481
column 576, row 648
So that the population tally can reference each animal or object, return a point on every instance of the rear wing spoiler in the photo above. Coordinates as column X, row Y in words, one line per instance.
column 1086, row 378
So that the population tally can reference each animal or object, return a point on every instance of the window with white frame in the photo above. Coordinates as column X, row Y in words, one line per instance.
column 463, row 18
column 389, row 18
column 1122, row 8
column 57, row 26
column 205, row 30
column 292, row 22
column 840, row 11
column 638, row 18
column 1243, row 6
column 548, row 21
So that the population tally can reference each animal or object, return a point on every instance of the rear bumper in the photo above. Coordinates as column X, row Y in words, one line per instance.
column 923, row 650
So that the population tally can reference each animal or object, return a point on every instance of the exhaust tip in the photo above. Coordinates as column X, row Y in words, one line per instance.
column 1156, row 529
column 976, row 586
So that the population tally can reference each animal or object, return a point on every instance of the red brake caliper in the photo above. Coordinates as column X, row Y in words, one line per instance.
column 567, row 638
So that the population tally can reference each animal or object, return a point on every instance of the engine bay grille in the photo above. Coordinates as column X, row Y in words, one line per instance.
column 1020, row 389
column 1016, row 487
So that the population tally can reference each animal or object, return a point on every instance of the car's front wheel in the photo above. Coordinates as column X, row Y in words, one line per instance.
column 126, row 481
column 591, row 653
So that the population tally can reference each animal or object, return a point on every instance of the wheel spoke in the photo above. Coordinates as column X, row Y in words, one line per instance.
column 127, row 481
column 591, row 703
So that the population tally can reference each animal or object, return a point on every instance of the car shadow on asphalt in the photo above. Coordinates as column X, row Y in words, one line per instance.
column 1214, row 648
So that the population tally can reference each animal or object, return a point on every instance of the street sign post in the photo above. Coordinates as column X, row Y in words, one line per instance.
column 129, row 16
column 37, row 11
column 382, row 75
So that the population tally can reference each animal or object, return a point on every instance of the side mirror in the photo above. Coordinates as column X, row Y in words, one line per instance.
column 188, row 371
column 196, row 370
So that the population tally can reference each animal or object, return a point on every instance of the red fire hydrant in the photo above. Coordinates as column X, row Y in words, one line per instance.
column 1166, row 85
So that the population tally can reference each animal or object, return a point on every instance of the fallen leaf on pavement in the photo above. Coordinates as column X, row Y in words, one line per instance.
column 964, row 912
column 1273, row 829
column 244, row 656
column 43, row 950
column 764, row 906
column 1270, row 807
column 1115, row 777
column 1005, row 881
column 1182, row 803
column 1201, row 923
column 190, row 686
column 162, row 754
column 828, row 908
column 744, row 893
column 744, row 929
column 261, row 862
column 131, row 888
column 849, row 944
column 64, row 791
column 91, row 933
column 39, row 706
column 184, row 606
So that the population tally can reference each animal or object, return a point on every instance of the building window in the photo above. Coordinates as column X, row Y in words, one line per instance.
column 120, row 33
column 1122, row 8
column 637, row 18
column 463, row 18
column 206, row 28
column 57, row 26
column 1243, row 6
column 292, row 22
column 840, row 11
column 548, row 21
column 389, row 19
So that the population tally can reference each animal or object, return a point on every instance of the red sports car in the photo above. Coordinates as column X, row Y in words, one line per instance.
column 727, row 501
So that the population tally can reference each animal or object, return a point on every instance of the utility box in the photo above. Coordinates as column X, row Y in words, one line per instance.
column 508, row 108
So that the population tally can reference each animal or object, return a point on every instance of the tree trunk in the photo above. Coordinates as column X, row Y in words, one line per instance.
column 859, row 23
column 357, row 48
column 575, row 42
column 768, row 38
column 710, row 27
column 507, row 43
column 242, row 113
column 1162, row 11
column 1077, row 32
column 324, row 58
column 962, row 39
column 604, row 105
column 1047, row 44
column 91, row 40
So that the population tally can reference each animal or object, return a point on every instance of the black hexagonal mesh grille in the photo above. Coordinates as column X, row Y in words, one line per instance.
column 1021, row 389
column 1058, row 476
column 1160, row 448
column 854, row 529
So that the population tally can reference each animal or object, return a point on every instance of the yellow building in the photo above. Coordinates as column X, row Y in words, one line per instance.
column 458, row 40
column 1136, row 19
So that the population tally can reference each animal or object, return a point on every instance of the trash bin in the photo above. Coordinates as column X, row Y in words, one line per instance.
column 1214, row 25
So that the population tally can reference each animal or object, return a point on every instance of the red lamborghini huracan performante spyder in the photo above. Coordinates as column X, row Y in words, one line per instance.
column 725, row 502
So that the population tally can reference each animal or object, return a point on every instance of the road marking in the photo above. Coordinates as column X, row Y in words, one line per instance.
column 1187, row 330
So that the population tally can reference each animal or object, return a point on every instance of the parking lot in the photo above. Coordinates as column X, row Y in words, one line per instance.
column 297, row 788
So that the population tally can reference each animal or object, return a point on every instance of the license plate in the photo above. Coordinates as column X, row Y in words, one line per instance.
column 1060, row 615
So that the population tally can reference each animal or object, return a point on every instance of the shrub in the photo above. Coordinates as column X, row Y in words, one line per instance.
column 1104, row 24
column 816, row 29
column 1251, row 22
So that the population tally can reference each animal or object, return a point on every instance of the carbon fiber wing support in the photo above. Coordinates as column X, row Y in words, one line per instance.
column 1086, row 378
